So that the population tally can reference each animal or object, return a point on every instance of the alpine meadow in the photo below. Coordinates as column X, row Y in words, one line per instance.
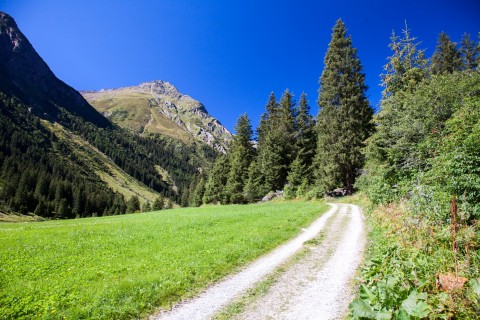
column 136, row 202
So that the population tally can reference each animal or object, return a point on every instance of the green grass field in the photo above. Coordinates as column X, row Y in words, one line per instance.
column 123, row 267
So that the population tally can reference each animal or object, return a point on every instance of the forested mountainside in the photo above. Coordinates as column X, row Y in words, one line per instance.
column 60, row 157
column 158, row 107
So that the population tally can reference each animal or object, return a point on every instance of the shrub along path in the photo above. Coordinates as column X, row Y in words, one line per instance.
column 306, row 278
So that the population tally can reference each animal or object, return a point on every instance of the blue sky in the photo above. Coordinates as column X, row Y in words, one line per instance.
column 227, row 54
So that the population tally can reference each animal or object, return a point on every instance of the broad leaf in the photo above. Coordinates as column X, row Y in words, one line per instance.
column 415, row 306
column 361, row 308
column 475, row 285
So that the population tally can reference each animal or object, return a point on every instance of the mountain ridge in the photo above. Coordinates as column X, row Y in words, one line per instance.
column 159, row 107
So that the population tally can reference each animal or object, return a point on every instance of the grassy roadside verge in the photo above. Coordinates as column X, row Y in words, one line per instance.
column 405, row 257
column 125, row 266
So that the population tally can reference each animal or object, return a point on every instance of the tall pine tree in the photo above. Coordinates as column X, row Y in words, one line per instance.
column 469, row 51
column 267, row 118
column 446, row 58
column 305, row 134
column 344, row 120
column 276, row 141
column 217, row 179
column 305, row 144
column 241, row 156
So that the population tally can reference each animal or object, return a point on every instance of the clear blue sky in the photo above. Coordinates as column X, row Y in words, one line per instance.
column 227, row 54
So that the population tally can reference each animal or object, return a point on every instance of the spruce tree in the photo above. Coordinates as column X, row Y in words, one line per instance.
column 478, row 50
column 276, row 141
column 287, row 115
column 198, row 192
column 146, row 207
column 241, row 156
column 305, row 145
column 344, row 120
column 267, row 118
column 446, row 58
column 406, row 67
column 295, row 177
column 133, row 205
column 469, row 51
column 255, row 187
column 271, row 160
column 217, row 179
column 305, row 135
column 158, row 203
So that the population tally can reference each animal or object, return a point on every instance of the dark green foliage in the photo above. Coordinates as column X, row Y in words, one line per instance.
column 146, row 207
column 199, row 191
column 216, row 182
column 255, row 187
column 265, row 122
column 276, row 141
column 470, row 52
column 300, row 174
column 285, row 131
column 478, row 50
column 446, row 58
column 343, row 122
column 133, row 205
column 455, row 167
column 158, row 203
column 38, row 173
column 305, row 135
column 271, row 159
column 45, row 164
column 409, row 128
column 241, row 154
column 406, row 67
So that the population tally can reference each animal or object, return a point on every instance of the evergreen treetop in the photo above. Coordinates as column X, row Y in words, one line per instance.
column 406, row 67
column 446, row 58
column 470, row 52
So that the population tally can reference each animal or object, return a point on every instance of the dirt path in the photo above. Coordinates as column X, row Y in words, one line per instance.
column 314, row 287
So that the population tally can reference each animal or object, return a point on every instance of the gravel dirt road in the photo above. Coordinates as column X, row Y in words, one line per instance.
column 314, row 281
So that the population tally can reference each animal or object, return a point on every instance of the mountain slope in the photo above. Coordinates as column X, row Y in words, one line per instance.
column 158, row 107
column 60, row 157
column 25, row 75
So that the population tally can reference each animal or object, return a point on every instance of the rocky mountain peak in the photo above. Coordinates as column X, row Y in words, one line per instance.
column 25, row 75
column 9, row 27
column 161, row 87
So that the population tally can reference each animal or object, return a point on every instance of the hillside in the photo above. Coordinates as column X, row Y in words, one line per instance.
column 59, row 157
column 158, row 107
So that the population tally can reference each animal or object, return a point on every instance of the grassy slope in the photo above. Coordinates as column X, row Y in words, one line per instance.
column 126, row 266
column 133, row 110
column 105, row 168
